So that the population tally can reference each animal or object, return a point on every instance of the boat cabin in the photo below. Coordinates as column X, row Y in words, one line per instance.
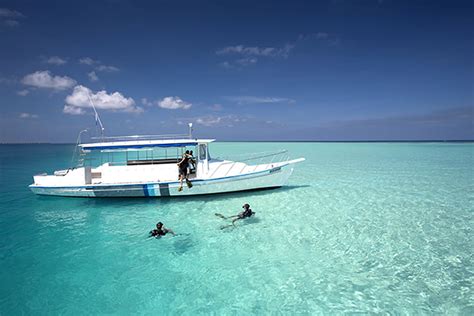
column 129, row 161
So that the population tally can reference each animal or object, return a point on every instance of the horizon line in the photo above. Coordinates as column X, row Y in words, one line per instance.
column 286, row 141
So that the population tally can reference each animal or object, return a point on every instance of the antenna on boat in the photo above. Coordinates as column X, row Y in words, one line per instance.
column 97, row 117
column 190, row 130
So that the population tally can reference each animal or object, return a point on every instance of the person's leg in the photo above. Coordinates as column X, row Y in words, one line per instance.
column 180, row 183
column 188, row 183
column 235, row 219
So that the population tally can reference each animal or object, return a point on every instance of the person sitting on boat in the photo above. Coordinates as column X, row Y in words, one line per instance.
column 183, row 171
column 160, row 231
column 246, row 213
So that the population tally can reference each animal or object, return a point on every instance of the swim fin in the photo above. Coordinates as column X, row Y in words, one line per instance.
column 220, row 215
column 190, row 185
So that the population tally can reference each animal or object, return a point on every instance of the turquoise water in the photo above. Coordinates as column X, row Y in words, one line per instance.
column 362, row 227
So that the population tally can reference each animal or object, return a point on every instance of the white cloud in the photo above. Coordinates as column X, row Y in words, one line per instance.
column 239, row 63
column 258, row 100
column 248, row 54
column 107, row 68
column 44, row 79
column 92, row 76
column 7, row 13
column 98, row 65
column 28, row 116
column 11, row 23
column 173, row 103
column 23, row 92
column 70, row 109
column 55, row 60
column 257, row 51
column 146, row 102
column 209, row 120
column 78, row 101
column 247, row 61
column 10, row 17
column 88, row 61
column 215, row 120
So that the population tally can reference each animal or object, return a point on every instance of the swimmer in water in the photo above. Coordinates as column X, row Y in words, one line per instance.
column 246, row 213
column 160, row 231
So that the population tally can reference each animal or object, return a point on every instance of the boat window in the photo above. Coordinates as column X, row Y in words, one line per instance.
column 202, row 152
column 139, row 156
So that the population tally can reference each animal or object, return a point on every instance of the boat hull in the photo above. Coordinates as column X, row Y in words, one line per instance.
column 275, row 177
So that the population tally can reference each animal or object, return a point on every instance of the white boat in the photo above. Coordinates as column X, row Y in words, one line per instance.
column 147, row 167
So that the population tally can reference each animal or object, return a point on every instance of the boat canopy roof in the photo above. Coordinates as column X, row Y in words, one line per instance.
column 137, row 144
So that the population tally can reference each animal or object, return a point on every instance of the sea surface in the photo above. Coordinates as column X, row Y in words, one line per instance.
column 361, row 228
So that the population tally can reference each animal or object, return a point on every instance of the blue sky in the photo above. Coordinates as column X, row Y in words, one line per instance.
column 240, row 70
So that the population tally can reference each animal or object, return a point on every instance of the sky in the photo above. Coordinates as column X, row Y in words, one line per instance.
column 238, row 70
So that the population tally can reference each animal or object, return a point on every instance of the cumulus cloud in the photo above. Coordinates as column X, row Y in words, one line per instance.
column 56, row 60
column 44, row 79
column 23, row 92
column 78, row 101
column 70, row 109
column 174, row 103
column 28, row 116
column 247, row 99
column 92, row 76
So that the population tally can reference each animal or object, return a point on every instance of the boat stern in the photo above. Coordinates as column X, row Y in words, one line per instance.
column 48, row 184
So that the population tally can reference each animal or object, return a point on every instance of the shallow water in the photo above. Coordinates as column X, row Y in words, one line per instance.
column 362, row 227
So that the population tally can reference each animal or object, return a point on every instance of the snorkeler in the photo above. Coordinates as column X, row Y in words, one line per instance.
column 160, row 231
column 246, row 213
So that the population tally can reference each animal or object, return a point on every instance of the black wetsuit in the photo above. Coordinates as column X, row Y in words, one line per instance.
column 183, row 166
column 246, row 213
column 158, row 232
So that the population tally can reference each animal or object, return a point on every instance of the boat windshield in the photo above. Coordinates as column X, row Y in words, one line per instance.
column 129, row 156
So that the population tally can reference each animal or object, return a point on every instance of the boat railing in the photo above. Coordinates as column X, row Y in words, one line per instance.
column 250, row 160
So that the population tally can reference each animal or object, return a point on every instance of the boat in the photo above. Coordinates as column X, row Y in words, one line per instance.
column 146, row 166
